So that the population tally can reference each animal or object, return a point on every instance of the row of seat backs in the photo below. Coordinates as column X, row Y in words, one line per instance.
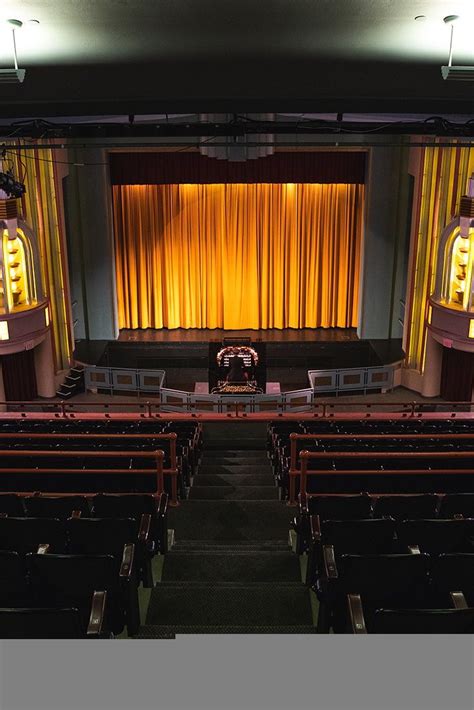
column 75, row 535
column 429, row 505
column 386, row 535
column 372, row 426
column 97, row 426
column 397, row 581
column 64, row 581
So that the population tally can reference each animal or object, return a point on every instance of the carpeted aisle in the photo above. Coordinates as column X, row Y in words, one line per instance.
column 231, row 569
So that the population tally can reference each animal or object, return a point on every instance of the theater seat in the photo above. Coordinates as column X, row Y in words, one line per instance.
column 70, row 580
column 37, row 623
column 14, row 590
column 51, row 507
column 24, row 535
column 407, row 507
column 417, row 621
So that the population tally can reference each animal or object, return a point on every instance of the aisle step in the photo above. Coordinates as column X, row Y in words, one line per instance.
column 229, row 604
column 219, row 566
column 230, row 492
column 234, row 479
column 170, row 632
column 231, row 469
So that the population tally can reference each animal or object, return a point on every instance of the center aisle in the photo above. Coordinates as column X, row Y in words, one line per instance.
column 231, row 569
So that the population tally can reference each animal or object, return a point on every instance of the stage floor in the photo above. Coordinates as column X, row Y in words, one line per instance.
column 273, row 335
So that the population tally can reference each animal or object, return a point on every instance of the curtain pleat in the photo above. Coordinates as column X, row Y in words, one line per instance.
column 238, row 256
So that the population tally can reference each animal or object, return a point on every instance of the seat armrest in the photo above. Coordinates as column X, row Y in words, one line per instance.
column 459, row 600
column 356, row 614
column 162, row 507
column 314, row 528
column 330, row 567
column 97, row 614
column 76, row 514
column 43, row 549
column 144, row 530
column 126, row 566
column 414, row 550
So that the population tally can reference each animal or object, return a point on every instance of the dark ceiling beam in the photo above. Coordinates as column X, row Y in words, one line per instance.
column 235, row 129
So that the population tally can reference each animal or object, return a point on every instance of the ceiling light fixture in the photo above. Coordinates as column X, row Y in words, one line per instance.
column 13, row 76
column 450, row 72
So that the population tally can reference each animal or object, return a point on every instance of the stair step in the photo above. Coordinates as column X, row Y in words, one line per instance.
column 230, row 469
column 229, row 604
column 234, row 454
column 223, row 444
column 229, row 521
column 219, row 566
column 234, row 479
column 170, row 632
column 230, row 492
column 199, row 546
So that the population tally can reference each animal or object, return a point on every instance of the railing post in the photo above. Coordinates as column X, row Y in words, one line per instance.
column 148, row 407
column 303, row 475
column 293, row 451
column 160, row 483
column 63, row 408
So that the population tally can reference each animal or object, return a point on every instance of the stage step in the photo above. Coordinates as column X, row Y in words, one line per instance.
column 233, row 493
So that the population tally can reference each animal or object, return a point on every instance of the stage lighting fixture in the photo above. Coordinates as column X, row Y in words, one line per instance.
column 450, row 72
column 14, row 75
column 12, row 187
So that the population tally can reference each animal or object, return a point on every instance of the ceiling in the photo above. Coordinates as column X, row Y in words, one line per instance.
column 109, row 57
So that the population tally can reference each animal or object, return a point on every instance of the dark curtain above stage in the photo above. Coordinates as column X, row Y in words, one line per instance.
column 171, row 168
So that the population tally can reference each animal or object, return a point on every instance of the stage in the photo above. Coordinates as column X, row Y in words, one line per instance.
column 290, row 353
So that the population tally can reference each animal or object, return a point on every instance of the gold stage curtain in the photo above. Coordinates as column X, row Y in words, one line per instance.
column 238, row 256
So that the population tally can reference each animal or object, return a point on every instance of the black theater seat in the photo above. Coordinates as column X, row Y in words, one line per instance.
column 12, row 505
column 342, row 537
column 70, row 581
column 423, row 621
column 134, row 506
column 408, row 507
column 436, row 536
column 391, row 580
column 109, row 536
column 24, row 535
column 48, row 623
column 60, row 507
column 14, row 590
column 453, row 572
column 457, row 504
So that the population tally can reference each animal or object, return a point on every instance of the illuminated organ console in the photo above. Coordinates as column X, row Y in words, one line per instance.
column 24, row 309
column 227, row 362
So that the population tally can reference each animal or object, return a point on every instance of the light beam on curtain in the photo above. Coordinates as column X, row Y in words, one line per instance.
column 238, row 256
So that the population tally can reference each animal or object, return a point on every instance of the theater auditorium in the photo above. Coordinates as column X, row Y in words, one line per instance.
column 236, row 320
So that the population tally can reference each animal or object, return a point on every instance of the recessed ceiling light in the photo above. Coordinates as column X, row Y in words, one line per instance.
column 450, row 18
column 15, row 23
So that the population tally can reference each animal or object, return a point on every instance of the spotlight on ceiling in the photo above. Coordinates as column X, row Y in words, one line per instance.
column 14, row 75
column 450, row 72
